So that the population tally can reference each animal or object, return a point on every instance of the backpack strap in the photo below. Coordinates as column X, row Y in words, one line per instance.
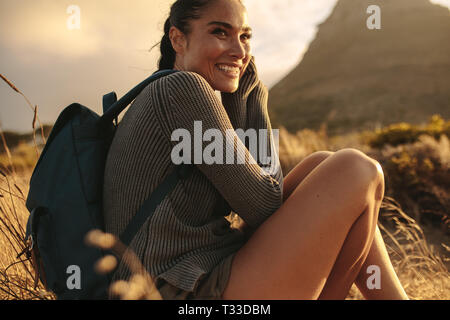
column 112, row 109
column 146, row 211
column 108, row 100
column 117, row 107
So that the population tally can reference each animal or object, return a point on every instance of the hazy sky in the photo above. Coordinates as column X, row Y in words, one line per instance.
column 55, row 66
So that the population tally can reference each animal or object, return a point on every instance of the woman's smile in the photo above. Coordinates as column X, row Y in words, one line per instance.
column 229, row 70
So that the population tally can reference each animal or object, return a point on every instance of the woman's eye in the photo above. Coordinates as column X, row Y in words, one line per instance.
column 220, row 32
column 223, row 33
column 247, row 36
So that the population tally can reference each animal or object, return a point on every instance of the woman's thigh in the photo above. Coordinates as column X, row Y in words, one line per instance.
column 301, row 170
column 292, row 253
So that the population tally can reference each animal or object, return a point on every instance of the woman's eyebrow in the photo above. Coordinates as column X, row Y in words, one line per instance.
column 229, row 26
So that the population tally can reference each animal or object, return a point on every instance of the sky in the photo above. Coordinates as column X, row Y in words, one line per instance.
column 54, row 65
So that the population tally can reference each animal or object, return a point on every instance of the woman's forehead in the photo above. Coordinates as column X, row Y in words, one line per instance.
column 230, row 14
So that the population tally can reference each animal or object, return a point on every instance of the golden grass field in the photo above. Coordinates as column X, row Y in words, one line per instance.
column 419, row 251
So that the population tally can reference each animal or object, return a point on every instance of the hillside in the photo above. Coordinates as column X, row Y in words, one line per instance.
column 354, row 78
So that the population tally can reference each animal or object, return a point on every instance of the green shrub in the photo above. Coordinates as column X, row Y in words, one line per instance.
column 418, row 175
column 402, row 133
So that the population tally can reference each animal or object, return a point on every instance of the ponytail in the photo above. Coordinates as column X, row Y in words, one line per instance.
column 168, row 54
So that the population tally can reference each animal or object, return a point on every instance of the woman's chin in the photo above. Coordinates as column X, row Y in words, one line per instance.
column 227, row 87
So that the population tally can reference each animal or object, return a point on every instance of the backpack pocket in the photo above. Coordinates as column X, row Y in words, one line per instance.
column 44, row 250
column 90, row 148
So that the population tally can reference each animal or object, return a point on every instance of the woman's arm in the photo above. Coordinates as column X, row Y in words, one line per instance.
column 257, row 118
column 247, row 109
column 186, row 97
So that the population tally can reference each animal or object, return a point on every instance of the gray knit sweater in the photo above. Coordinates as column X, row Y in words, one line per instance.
column 188, row 234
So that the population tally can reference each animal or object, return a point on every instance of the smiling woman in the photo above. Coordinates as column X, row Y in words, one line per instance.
column 309, row 236
column 215, row 45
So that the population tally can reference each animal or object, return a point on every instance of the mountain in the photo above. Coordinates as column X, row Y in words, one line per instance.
column 353, row 78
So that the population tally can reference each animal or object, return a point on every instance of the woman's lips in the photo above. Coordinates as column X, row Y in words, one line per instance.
column 229, row 70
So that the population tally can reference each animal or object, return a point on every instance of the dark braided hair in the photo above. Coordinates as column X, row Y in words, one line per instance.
column 181, row 12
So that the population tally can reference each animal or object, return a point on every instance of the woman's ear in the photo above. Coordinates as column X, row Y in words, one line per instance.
column 178, row 40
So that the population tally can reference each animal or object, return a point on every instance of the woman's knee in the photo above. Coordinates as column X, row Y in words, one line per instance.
column 354, row 175
column 360, row 167
column 319, row 156
column 361, row 180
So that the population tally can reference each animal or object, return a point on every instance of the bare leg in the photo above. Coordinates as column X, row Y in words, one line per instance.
column 338, row 285
column 354, row 252
column 351, row 255
column 292, row 254
column 391, row 287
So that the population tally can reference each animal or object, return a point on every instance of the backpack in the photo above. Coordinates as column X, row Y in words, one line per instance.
column 65, row 197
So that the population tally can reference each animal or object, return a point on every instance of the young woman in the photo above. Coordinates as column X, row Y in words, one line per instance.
column 310, row 235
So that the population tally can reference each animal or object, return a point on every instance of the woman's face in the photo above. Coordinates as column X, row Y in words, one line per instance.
column 218, row 45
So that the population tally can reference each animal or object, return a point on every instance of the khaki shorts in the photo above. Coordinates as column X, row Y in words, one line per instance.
column 211, row 287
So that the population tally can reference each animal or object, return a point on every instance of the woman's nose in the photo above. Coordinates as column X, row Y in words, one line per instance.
column 238, row 49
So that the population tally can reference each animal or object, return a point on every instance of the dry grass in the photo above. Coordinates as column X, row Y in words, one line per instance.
column 419, row 265
column 16, row 273
column 140, row 286
column 421, row 269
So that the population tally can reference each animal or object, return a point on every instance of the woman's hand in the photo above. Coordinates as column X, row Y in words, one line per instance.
column 236, row 103
column 245, row 229
column 247, row 82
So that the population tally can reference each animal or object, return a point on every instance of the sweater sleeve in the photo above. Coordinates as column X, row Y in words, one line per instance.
column 190, row 104
column 258, row 119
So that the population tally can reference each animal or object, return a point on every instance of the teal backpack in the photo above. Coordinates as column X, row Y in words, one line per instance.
column 65, row 197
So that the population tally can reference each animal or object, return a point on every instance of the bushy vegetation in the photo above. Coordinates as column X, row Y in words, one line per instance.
column 402, row 133
column 416, row 160
column 418, row 177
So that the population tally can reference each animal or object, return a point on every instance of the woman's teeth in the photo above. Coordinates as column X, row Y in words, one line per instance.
column 229, row 69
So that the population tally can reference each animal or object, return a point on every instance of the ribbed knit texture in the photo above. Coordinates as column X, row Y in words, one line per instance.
column 188, row 234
